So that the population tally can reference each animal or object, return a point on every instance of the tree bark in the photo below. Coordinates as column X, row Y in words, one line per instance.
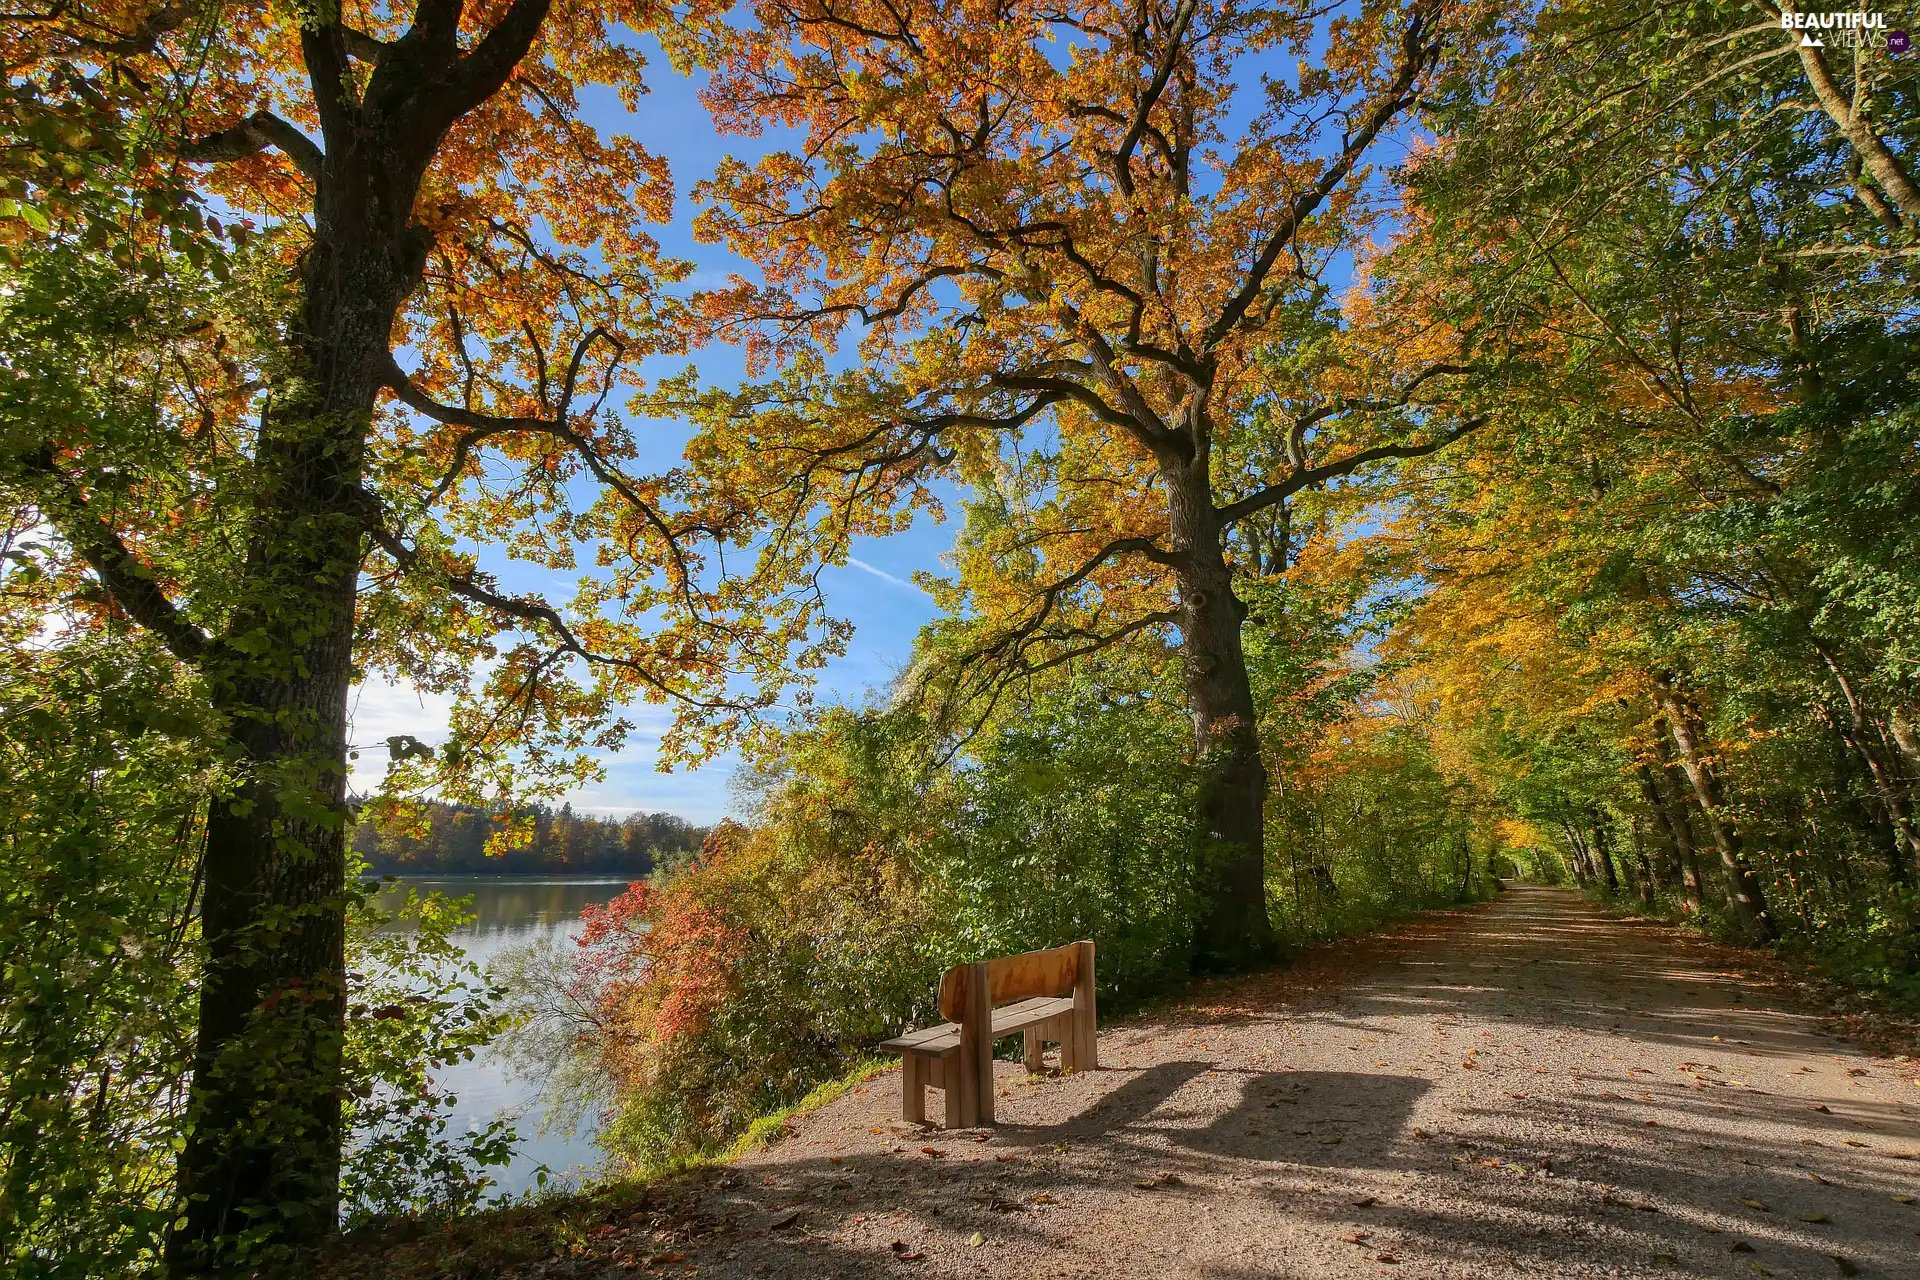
column 262, row 1159
column 1234, row 930
column 1900, row 840
column 1744, row 894
column 1583, row 874
column 1906, row 739
column 1643, row 862
column 1603, row 854
column 1670, row 820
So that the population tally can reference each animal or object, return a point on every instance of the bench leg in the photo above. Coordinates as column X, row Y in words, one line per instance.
column 955, row 1093
column 1035, row 1049
column 913, row 1089
column 1086, row 1019
column 977, row 1054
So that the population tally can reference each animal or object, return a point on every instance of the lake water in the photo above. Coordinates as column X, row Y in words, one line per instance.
column 511, row 911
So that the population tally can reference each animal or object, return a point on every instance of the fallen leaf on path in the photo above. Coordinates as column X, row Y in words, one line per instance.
column 1740, row 1246
column 1355, row 1237
column 1761, row 1205
column 1817, row 1178
column 662, row 1259
column 935, row 1152
column 1387, row 1258
column 1903, row 1199
column 1365, row 1202
column 785, row 1221
column 1328, row 1142
column 1855, row 1143
column 1043, row 1198
column 1822, row 1108
column 979, row 1238
column 1005, row 1159
column 1845, row 1266
column 1813, row 1217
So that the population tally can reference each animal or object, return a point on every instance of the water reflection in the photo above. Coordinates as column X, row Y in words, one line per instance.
column 512, row 912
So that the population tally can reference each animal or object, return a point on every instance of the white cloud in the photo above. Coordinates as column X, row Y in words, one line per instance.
column 381, row 709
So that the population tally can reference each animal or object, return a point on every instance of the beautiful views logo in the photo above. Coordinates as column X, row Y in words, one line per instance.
column 1850, row 30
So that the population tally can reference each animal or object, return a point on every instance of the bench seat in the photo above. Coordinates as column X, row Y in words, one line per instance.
column 940, row 1040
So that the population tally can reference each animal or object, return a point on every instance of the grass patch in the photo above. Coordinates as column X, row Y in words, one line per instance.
column 552, row 1222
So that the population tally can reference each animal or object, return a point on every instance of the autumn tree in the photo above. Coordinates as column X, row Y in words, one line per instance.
column 1711, row 237
column 1090, row 259
column 434, row 282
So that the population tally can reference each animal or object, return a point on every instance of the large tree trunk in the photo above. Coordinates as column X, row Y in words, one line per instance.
column 1689, row 739
column 1234, row 930
column 262, row 1160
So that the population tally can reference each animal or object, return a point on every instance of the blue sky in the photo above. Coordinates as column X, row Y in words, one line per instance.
column 874, row 592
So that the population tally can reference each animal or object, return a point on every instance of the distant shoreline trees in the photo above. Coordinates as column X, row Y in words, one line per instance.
column 454, row 841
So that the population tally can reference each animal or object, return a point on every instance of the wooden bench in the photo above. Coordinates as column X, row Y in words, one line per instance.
column 1041, row 996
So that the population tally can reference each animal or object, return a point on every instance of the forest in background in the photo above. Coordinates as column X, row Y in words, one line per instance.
column 448, row 839
column 1387, row 446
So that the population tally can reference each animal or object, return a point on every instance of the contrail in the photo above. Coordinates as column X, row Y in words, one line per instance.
column 881, row 574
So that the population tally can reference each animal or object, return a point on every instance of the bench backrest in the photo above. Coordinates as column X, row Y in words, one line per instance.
column 1054, row 972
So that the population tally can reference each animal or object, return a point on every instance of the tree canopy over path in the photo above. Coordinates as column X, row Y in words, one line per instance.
column 1530, row 1086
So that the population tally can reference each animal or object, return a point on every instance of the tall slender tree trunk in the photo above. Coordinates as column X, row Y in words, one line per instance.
column 1744, row 894
column 1859, row 731
column 1603, row 854
column 1234, row 930
column 1643, row 861
column 1670, row 820
column 262, row 1157
column 1906, row 738
column 1583, row 874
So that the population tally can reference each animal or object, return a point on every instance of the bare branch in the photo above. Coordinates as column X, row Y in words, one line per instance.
column 1311, row 476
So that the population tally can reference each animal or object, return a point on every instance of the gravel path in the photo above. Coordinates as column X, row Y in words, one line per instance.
column 1526, row 1086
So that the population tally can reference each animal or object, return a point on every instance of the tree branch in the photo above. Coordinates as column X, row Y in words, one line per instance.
column 1311, row 476
column 255, row 134
column 128, row 581
column 359, row 44
column 530, row 609
column 1879, row 161
column 1416, row 53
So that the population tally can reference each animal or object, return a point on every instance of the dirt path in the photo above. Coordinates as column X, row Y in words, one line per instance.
column 1528, row 1086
